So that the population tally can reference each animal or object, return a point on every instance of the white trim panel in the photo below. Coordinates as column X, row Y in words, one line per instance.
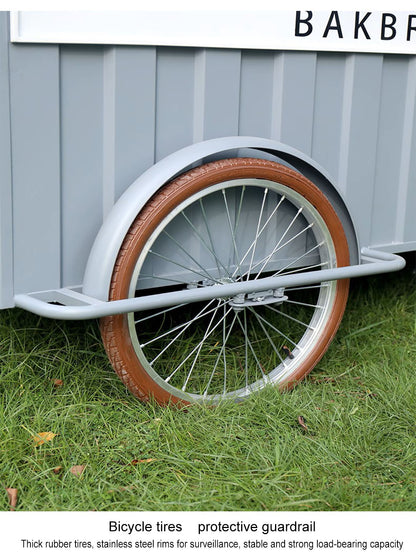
column 390, row 31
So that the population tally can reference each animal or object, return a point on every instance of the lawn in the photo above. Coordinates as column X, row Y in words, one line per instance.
column 344, row 439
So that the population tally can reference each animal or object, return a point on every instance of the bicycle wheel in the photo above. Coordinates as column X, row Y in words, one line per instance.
column 227, row 221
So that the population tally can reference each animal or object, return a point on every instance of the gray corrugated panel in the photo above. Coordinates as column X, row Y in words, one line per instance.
column 6, row 252
column 345, row 117
column 256, row 93
column 327, row 118
column 128, row 118
column 35, row 158
column 362, row 139
column 389, row 146
column 174, row 100
column 407, row 205
column 299, row 70
column 134, row 113
column 82, row 156
column 109, row 129
column 277, row 97
column 199, row 95
column 122, row 108
column 217, row 76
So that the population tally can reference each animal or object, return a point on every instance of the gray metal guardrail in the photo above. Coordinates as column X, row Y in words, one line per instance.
column 66, row 304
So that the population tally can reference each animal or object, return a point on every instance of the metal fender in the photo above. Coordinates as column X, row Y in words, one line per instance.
column 106, row 246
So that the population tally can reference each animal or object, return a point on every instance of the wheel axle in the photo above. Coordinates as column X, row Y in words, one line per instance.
column 241, row 301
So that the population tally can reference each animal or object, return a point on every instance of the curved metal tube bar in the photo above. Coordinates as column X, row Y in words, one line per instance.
column 374, row 262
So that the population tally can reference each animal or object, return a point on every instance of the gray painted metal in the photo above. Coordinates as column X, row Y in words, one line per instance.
column 101, row 261
column 6, row 246
column 79, row 124
column 82, row 307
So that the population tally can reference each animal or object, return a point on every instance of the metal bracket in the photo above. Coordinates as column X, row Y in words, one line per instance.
column 259, row 298
column 76, row 306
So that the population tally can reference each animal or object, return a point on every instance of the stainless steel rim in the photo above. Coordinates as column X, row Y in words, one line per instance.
column 223, row 319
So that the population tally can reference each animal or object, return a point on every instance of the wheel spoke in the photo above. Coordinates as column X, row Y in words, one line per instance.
column 152, row 276
column 237, row 219
column 159, row 313
column 277, row 248
column 195, row 348
column 192, row 270
column 246, row 347
column 298, row 258
column 257, row 232
column 224, row 341
column 232, row 229
column 302, row 269
column 302, row 288
column 204, row 215
column 188, row 254
column 200, row 346
column 250, row 346
column 274, row 328
column 304, row 304
column 183, row 327
column 261, row 231
column 211, row 249
column 285, row 233
column 219, row 356
column 266, row 333
column 290, row 317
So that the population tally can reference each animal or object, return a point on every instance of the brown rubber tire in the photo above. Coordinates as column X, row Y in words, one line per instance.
column 114, row 329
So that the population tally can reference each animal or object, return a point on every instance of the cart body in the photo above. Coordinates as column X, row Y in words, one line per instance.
column 90, row 132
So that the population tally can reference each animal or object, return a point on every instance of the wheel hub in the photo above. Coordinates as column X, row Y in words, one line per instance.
column 241, row 301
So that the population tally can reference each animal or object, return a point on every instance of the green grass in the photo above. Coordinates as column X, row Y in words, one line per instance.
column 358, row 452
